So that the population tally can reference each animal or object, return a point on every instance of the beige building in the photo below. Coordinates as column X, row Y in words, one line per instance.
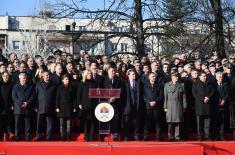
column 43, row 35
column 37, row 35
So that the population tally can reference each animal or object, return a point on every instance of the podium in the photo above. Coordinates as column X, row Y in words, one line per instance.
column 104, row 93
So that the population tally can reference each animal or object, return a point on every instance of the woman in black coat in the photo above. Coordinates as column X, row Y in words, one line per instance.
column 65, row 106
column 75, row 82
column 87, row 105
column 6, row 106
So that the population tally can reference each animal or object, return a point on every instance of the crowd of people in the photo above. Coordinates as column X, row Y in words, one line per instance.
column 189, row 93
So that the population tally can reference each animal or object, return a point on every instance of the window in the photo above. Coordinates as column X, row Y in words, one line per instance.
column 67, row 27
column 117, row 29
column 14, row 23
column 52, row 27
column 114, row 46
column 124, row 47
column 82, row 28
column 93, row 50
column 16, row 45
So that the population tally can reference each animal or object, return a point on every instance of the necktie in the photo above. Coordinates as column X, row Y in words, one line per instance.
column 220, row 86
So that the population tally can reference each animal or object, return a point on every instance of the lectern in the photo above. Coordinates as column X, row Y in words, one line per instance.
column 103, row 93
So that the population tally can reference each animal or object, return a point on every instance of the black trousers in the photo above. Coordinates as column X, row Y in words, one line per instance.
column 115, row 125
column 40, row 125
column 5, row 126
column 221, row 122
column 153, row 117
column 65, row 128
column 89, row 128
column 132, row 120
column 174, row 131
column 203, row 126
column 19, row 123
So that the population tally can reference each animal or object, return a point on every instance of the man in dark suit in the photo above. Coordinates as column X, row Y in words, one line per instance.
column 203, row 93
column 56, row 77
column 153, row 98
column 139, row 72
column 112, row 81
column 6, row 106
column 126, row 62
column 22, row 95
column 211, row 76
column 155, row 68
column 46, row 93
column 222, row 95
column 166, row 73
column 228, row 73
column 132, row 107
column 96, row 77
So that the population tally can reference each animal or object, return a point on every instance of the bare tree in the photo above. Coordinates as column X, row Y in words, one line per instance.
column 150, row 18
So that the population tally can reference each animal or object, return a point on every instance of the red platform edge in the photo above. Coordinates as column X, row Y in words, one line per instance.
column 117, row 148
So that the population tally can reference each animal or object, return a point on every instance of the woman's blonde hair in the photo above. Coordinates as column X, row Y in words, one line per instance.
column 84, row 75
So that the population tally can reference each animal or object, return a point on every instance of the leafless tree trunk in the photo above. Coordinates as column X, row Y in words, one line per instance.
column 219, row 30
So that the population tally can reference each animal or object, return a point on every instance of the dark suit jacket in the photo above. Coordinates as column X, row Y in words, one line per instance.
column 153, row 93
column 200, row 90
column 222, row 93
column 88, row 104
column 56, row 79
column 22, row 94
column 46, row 97
column 228, row 78
column 99, row 80
column 211, row 79
column 129, row 103
column 6, row 101
column 117, row 83
column 65, row 101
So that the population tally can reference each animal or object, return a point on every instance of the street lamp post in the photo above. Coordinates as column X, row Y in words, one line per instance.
column 73, row 29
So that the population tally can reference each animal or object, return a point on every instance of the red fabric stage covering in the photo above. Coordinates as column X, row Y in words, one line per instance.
column 117, row 148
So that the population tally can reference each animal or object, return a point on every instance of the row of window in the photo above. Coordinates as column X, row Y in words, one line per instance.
column 114, row 46
column 84, row 28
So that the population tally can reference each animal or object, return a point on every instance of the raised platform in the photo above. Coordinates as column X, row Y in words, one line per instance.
column 117, row 148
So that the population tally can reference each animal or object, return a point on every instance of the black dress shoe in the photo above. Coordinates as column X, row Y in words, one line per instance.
column 91, row 139
column 115, row 139
column 7, row 139
column 17, row 139
column 171, row 139
column 48, row 139
column 86, row 138
column 68, row 138
column 200, row 138
column 222, row 138
column 158, row 139
column 136, row 138
column 37, row 138
column 125, row 139
column 27, row 139
column 146, row 139
column 179, row 139
column 62, row 138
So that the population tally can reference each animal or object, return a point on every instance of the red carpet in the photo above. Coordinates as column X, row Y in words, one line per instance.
column 117, row 148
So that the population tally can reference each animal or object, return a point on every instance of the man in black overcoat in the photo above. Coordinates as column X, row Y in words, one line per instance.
column 153, row 100
column 133, row 106
column 222, row 92
column 203, row 93
column 112, row 81
column 6, row 105
column 46, row 98
column 22, row 95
